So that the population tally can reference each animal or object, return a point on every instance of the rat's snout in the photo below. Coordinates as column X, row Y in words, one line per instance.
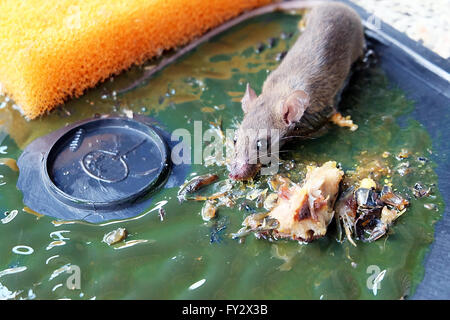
column 243, row 171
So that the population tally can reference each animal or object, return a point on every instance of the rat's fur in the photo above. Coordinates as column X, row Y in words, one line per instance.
column 299, row 96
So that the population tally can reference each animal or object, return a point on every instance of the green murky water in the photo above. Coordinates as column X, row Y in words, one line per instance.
column 174, row 254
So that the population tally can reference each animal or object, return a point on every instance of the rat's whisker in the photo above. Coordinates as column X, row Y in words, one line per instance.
column 271, row 154
column 293, row 136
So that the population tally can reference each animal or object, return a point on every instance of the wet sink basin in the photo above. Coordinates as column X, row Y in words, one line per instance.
column 425, row 78
column 400, row 103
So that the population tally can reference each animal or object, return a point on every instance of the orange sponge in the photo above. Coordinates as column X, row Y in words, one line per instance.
column 55, row 49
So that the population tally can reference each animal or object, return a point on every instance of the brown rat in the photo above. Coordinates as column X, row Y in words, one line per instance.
column 300, row 96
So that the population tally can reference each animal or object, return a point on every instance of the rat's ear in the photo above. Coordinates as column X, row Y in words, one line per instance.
column 249, row 96
column 295, row 105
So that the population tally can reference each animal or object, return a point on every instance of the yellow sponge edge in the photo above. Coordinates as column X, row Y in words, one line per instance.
column 55, row 49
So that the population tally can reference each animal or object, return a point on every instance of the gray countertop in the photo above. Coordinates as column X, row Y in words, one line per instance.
column 425, row 21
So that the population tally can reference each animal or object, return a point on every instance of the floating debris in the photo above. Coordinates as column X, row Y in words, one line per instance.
column 392, row 199
column 289, row 165
column 245, row 206
column 372, row 166
column 403, row 154
column 115, row 236
column 431, row 206
column 404, row 168
column 161, row 213
column 258, row 223
column 420, row 191
column 305, row 212
column 255, row 193
column 195, row 184
column 218, row 227
column 422, row 160
column 368, row 212
column 277, row 181
column 366, row 198
column 270, row 201
column 209, row 210
column 301, row 213
column 225, row 201
column 342, row 121
column 367, row 183
column 345, row 214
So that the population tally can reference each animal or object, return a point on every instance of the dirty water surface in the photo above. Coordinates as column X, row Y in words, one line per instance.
column 169, row 252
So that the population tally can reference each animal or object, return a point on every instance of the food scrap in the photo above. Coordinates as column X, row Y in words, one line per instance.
column 301, row 213
column 260, row 224
column 420, row 190
column 304, row 213
column 341, row 121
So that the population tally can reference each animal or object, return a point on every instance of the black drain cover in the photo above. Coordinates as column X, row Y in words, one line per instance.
column 96, row 170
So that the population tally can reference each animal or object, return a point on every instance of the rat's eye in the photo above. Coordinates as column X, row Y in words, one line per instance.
column 235, row 139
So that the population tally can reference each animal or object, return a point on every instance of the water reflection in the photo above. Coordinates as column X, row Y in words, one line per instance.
column 56, row 243
column 6, row 294
column 65, row 268
column 131, row 243
column 10, row 216
column 197, row 284
column 24, row 250
column 51, row 258
column 158, row 205
column 12, row 270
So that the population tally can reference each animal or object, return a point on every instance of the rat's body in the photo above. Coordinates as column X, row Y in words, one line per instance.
column 300, row 96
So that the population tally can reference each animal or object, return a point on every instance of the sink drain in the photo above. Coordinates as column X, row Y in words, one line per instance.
column 116, row 161
column 98, row 169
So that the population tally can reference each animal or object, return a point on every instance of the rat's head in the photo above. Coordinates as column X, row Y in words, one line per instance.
column 267, row 119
